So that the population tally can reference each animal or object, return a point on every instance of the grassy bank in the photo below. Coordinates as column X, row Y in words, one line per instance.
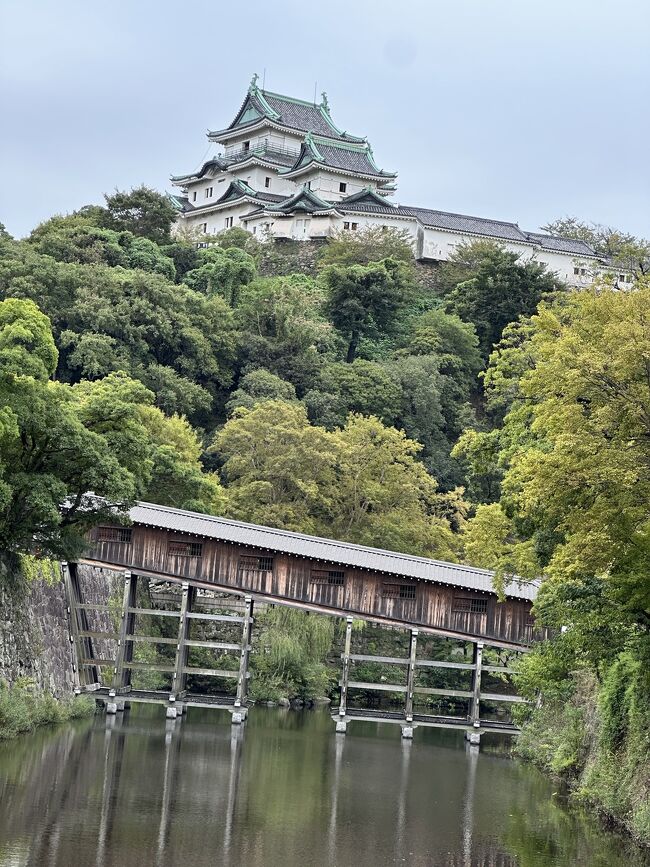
column 596, row 738
column 23, row 708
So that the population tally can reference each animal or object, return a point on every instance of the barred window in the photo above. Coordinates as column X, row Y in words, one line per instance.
column 399, row 591
column 469, row 604
column 529, row 620
column 114, row 534
column 253, row 563
column 333, row 577
column 181, row 548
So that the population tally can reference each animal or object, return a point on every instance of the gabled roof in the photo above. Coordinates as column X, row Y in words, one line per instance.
column 326, row 550
column 348, row 157
column 285, row 111
column 304, row 200
column 367, row 196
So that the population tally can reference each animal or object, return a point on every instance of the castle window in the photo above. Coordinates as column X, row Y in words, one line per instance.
column 399, row 591
column 354, row 227
column 469, row 605
column 205, row 228
column 246, row 146
column 332, row 577
column 114, row 534
column 208, row 192
column 342, row 187
column 267, row 183
column 253, row 563
column 181, row 548
column 228, row 222
column 346, row 225
column 194, row 196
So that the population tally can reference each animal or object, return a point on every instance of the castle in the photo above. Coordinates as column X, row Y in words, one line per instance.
column 288, row 172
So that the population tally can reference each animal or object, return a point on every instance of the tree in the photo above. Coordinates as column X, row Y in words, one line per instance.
column 365, row 301
column 622, row 248
column 177, row 476
column 85, row 244
column 371, row 244
column 283, row 328
column 363, row 387
column 384, row 497
column 222, row 272
column 491, row 287
column 279, row 469
column 142, row 211
column 50, row 460
column 258, row 386
column 575, row 455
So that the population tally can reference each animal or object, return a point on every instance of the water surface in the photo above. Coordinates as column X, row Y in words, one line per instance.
column 136, row 790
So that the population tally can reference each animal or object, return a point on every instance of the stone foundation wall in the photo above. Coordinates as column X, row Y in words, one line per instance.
column 34, row 636
column 34, row 639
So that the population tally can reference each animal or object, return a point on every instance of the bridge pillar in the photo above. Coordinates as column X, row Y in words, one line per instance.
column 341, row 723
column 122, row 675
column 179, row 679
column 410, row 677
column 239, row 715
column 474, row 715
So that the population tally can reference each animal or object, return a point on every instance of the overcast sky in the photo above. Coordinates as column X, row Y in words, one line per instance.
column 498, row 108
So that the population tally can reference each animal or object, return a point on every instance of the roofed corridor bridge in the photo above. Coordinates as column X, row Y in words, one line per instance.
column 213, row 571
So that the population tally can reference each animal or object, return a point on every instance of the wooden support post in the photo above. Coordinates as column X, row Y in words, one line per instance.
column 73, row 636
column 410, row 676
column 86, row 676
column 239, row 715
column 341, row 724
column 122, row 674
column 179, row 681
column 475, row 701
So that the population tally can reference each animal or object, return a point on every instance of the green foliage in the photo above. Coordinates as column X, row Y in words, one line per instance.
column 223, row 272
column 23, row 708
column 491, row 287
column 624, row 249
column 371, row 244
column 257, row 386
column 283, row 328
column 291, row 650
column 365, row 301
column 142, row 211
column 279, row 469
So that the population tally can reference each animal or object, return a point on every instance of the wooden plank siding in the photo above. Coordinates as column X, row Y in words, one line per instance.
column 438, row 608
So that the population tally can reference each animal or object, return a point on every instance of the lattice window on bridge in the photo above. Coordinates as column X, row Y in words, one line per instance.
column 399, row 591
column 181, row 548
column 254, row 563
column 469, row 605
column 114, row 534
column 332, row 577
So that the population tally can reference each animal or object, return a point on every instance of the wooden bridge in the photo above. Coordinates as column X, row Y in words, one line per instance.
column 214, row 571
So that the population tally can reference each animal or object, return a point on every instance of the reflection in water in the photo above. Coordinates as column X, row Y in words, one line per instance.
column 133, row 790
column 468, row 803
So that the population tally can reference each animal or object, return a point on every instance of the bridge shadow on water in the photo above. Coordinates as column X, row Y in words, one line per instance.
column 134, row 789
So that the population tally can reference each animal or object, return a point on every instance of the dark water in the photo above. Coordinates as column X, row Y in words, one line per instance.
column 283, row 790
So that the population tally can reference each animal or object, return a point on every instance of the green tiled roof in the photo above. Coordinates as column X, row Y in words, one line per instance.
column 297, row 114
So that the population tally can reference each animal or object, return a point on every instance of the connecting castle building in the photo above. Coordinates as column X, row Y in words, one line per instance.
column 287, row 171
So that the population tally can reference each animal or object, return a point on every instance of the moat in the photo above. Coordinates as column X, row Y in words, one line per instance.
column 135, row 789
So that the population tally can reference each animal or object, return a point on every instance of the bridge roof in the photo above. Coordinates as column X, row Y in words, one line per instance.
column 327, row 550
